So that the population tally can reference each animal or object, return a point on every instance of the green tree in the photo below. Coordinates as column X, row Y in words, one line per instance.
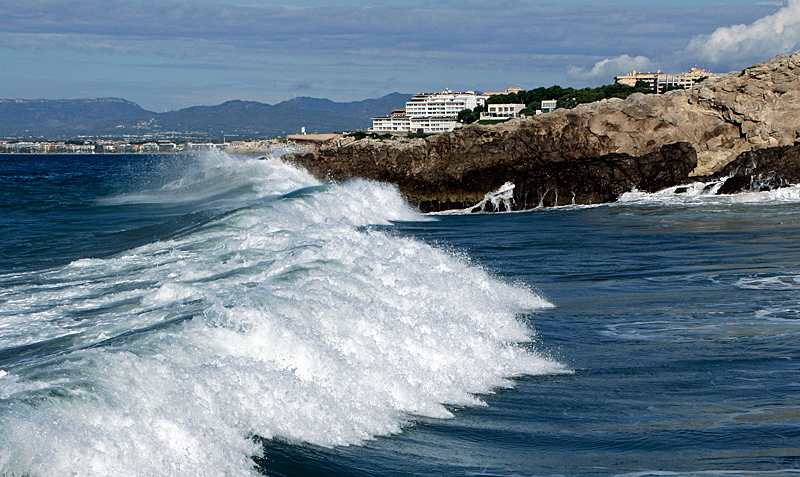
column 358, row 135
column 568, row 97
column 465, row 116
column 419, row 133
column 469, row 116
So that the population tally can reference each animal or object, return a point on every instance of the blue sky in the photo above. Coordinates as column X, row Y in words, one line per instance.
column 172, row 54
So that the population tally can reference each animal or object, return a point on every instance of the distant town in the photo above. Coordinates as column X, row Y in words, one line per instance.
column 424, row 114
column 99, row 146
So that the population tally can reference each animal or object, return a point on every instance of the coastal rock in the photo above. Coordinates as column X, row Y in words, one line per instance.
column 761, row 170
column 603, row 179
column 588, row 154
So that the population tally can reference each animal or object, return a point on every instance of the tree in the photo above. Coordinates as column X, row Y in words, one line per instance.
column 358, row 135
column 568, row 97
column 469, row 116
column 465, row 116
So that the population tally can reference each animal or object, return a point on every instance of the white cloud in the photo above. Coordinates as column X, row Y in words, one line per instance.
column 260, row 49
column 611, row 67
column 737, row 44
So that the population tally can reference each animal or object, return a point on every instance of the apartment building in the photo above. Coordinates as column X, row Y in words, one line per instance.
column 429, row 112
column 659, row 81
column 495, row 112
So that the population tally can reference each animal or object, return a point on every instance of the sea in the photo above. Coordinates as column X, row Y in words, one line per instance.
column 221, row 315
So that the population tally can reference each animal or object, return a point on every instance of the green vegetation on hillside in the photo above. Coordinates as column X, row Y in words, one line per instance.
column 359, row 135
column 565, row 97
column 469, row 116
column 570, row 97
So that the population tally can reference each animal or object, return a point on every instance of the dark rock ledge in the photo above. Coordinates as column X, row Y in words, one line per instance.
column 590, row 180
column 761, row 170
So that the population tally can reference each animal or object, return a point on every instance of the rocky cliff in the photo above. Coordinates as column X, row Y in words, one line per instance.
column 589, row 154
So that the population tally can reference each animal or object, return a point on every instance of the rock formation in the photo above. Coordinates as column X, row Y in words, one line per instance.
column 761, row 170
column 589, row 154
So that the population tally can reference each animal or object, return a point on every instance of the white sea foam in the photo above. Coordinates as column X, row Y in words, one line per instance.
column 218, row 176
column 697, row 193
column 289, row 317
column 777, row 282
column 713, row 473
column 500, row 200
column 705, row 193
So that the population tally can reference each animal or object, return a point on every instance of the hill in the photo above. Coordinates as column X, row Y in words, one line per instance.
column 65, row 119
column 115, row 117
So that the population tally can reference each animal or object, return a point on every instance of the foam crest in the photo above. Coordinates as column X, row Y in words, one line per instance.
column 214, row 176
column 500, row 200
column 778, row 282
column 288, row 318
column 705, row 193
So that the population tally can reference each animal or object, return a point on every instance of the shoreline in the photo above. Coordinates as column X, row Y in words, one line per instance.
column 237, row 147
column 595, row 152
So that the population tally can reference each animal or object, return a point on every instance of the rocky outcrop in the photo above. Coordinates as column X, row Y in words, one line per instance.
column 603, row 179
column 589, row 154
column 761, row 170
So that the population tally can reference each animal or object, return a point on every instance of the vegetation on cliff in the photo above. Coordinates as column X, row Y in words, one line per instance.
column 569, row 97
column 566, row 98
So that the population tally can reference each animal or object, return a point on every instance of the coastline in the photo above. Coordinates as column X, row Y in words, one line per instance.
column 235, row 147
column 592, row 153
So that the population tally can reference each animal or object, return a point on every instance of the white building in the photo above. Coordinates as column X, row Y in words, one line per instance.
column 397, row 121
column 446, row 103
column 549, row 105
column 430, row 112
column 658, row 81
column 434, row 124
column 496, row 112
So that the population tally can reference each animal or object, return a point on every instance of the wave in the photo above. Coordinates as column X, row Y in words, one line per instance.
column 705, row 193
column 216, row 177
column 697, row 193
column 286, row 314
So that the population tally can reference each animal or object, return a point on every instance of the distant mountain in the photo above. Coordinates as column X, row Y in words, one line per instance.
column 115, row 117
column 368, row 108
column 66, row 118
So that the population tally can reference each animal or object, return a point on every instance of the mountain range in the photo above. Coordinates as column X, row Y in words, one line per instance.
column 47, row 119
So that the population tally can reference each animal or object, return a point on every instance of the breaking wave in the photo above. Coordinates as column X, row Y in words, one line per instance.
column 286, row 314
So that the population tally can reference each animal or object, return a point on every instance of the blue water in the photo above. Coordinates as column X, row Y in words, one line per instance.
column 218, row 315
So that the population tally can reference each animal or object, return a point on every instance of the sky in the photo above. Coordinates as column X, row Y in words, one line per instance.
column 172, row 54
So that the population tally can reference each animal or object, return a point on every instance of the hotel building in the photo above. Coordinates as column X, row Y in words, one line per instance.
column 659, row 81
column 499, row 112
column 429, row 112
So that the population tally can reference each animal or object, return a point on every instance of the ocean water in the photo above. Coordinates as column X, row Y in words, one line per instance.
column 217, row 315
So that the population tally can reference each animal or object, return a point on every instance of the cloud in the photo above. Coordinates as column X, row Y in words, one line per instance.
column 741, row 44
column 611, row 67
column 266, row 51
column 478, row 27
column 762, row 33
